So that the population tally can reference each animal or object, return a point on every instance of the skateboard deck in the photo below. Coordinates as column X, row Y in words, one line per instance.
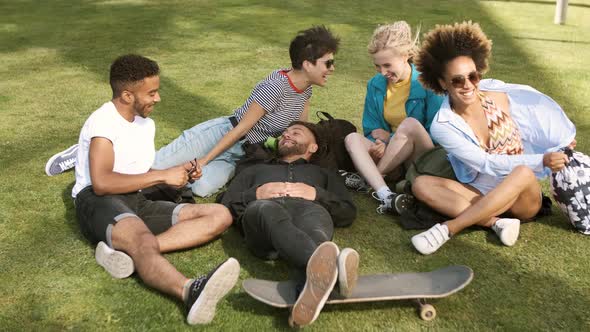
column 377, row 287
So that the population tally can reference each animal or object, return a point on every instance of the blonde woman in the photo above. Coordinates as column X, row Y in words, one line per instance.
column 398, row 112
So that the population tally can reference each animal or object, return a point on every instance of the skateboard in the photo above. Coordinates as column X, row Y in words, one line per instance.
column 417, row 286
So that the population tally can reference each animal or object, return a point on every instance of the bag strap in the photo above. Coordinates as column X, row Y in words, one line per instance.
column 324, row 115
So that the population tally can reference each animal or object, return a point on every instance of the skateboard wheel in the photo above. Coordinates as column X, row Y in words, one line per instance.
column 427, row 312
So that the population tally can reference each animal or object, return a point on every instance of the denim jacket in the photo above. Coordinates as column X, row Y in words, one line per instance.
column 422, row 104
column 543, row 125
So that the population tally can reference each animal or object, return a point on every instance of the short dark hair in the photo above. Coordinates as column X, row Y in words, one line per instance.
column 311, row 126
column 447, row 42
column 312, row 44
column 130, row 69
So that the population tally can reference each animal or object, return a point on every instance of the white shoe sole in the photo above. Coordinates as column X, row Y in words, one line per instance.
column 218, row 285
column 348, row 264
column 117, row 263
column 322, row 274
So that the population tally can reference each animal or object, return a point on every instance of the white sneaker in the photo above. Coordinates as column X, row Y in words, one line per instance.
column 429, row 241
column 348, row 266
column 508, row 230
column 117, row 263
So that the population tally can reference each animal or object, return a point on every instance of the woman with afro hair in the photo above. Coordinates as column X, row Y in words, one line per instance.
column 499, row 137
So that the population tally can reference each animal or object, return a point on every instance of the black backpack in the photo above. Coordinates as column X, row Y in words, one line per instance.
column 333, row 154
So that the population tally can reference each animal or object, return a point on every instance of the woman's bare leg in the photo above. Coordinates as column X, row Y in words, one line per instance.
column 410, row 141
column 358, row 149
column 519, row 193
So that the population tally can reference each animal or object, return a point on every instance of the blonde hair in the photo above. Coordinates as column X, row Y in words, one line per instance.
column 396, row 36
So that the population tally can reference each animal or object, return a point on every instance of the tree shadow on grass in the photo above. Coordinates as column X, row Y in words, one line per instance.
column 84, row 34
column 91, row 35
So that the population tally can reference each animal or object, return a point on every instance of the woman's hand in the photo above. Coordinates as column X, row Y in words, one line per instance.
column 572, row 144
column 381, row 134
column 377, row 150
column 556, row 161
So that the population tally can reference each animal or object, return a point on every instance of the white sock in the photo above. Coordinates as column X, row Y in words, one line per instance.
column 384, row 192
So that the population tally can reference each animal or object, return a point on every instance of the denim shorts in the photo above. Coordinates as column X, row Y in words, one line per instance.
column 98, row 214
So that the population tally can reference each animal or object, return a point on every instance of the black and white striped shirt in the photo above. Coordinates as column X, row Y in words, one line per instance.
column 281, row 101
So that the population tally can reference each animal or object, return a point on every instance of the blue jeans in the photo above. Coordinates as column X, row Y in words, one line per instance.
column 196, row 142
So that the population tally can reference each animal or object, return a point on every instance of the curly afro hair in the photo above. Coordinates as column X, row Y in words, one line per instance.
column 130, row 69
column 312, row 44
column 446, row 42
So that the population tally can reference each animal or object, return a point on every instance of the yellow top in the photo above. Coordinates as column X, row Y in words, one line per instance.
column 394, row 107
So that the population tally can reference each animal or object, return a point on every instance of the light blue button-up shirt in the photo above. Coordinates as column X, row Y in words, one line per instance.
column 543, row 125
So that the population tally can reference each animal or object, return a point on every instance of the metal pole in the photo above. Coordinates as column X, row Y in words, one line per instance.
column 560, row 11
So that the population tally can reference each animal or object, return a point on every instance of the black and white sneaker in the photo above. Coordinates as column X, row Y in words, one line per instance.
column 206, row 291
column 354, row 181
column 62, row 161
column 387, row 205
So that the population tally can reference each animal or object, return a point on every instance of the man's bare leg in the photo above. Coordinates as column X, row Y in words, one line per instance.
column 197, row 224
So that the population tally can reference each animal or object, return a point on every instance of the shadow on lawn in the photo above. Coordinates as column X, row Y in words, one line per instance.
column 91, row 35
column 478, row 302
column 85, row 35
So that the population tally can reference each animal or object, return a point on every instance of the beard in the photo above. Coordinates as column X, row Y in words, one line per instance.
column 292, row 150
column 141, row 109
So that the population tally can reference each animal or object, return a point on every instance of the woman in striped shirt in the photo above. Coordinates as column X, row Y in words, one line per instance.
column 275, row 102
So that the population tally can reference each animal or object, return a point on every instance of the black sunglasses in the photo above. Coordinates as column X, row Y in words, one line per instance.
column 459, row 81
column 329, row 63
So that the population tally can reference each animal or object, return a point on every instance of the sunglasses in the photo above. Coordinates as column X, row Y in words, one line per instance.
column 459, row 81
column 329, row 63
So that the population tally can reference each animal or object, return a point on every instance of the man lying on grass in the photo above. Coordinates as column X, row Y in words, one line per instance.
column 288, row 207
column 116, row 151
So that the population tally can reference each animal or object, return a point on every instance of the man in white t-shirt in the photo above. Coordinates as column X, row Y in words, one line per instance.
column 115, row 153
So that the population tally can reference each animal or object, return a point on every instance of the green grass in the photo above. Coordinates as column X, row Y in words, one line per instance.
column 55, row 57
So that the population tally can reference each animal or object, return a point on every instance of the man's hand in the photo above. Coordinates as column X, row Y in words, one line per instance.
column 176, row 176
column 381, row 134
column 556, row 161
column 285, row 189
column 301, row 190
column 194, row 170
column 271, row 190
column 377, row 150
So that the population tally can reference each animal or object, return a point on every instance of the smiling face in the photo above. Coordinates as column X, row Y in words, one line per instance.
column 318, row 73
column 393, row 66
column 461, row 80
column 297, row 140
column 145, row 96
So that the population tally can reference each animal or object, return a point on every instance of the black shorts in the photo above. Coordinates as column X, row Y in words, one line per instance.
column 97, row 214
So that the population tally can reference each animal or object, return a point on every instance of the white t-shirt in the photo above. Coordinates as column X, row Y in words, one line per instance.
column 133, row 143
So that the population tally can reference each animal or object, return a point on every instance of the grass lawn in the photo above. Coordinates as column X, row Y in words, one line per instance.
column 55, row 57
